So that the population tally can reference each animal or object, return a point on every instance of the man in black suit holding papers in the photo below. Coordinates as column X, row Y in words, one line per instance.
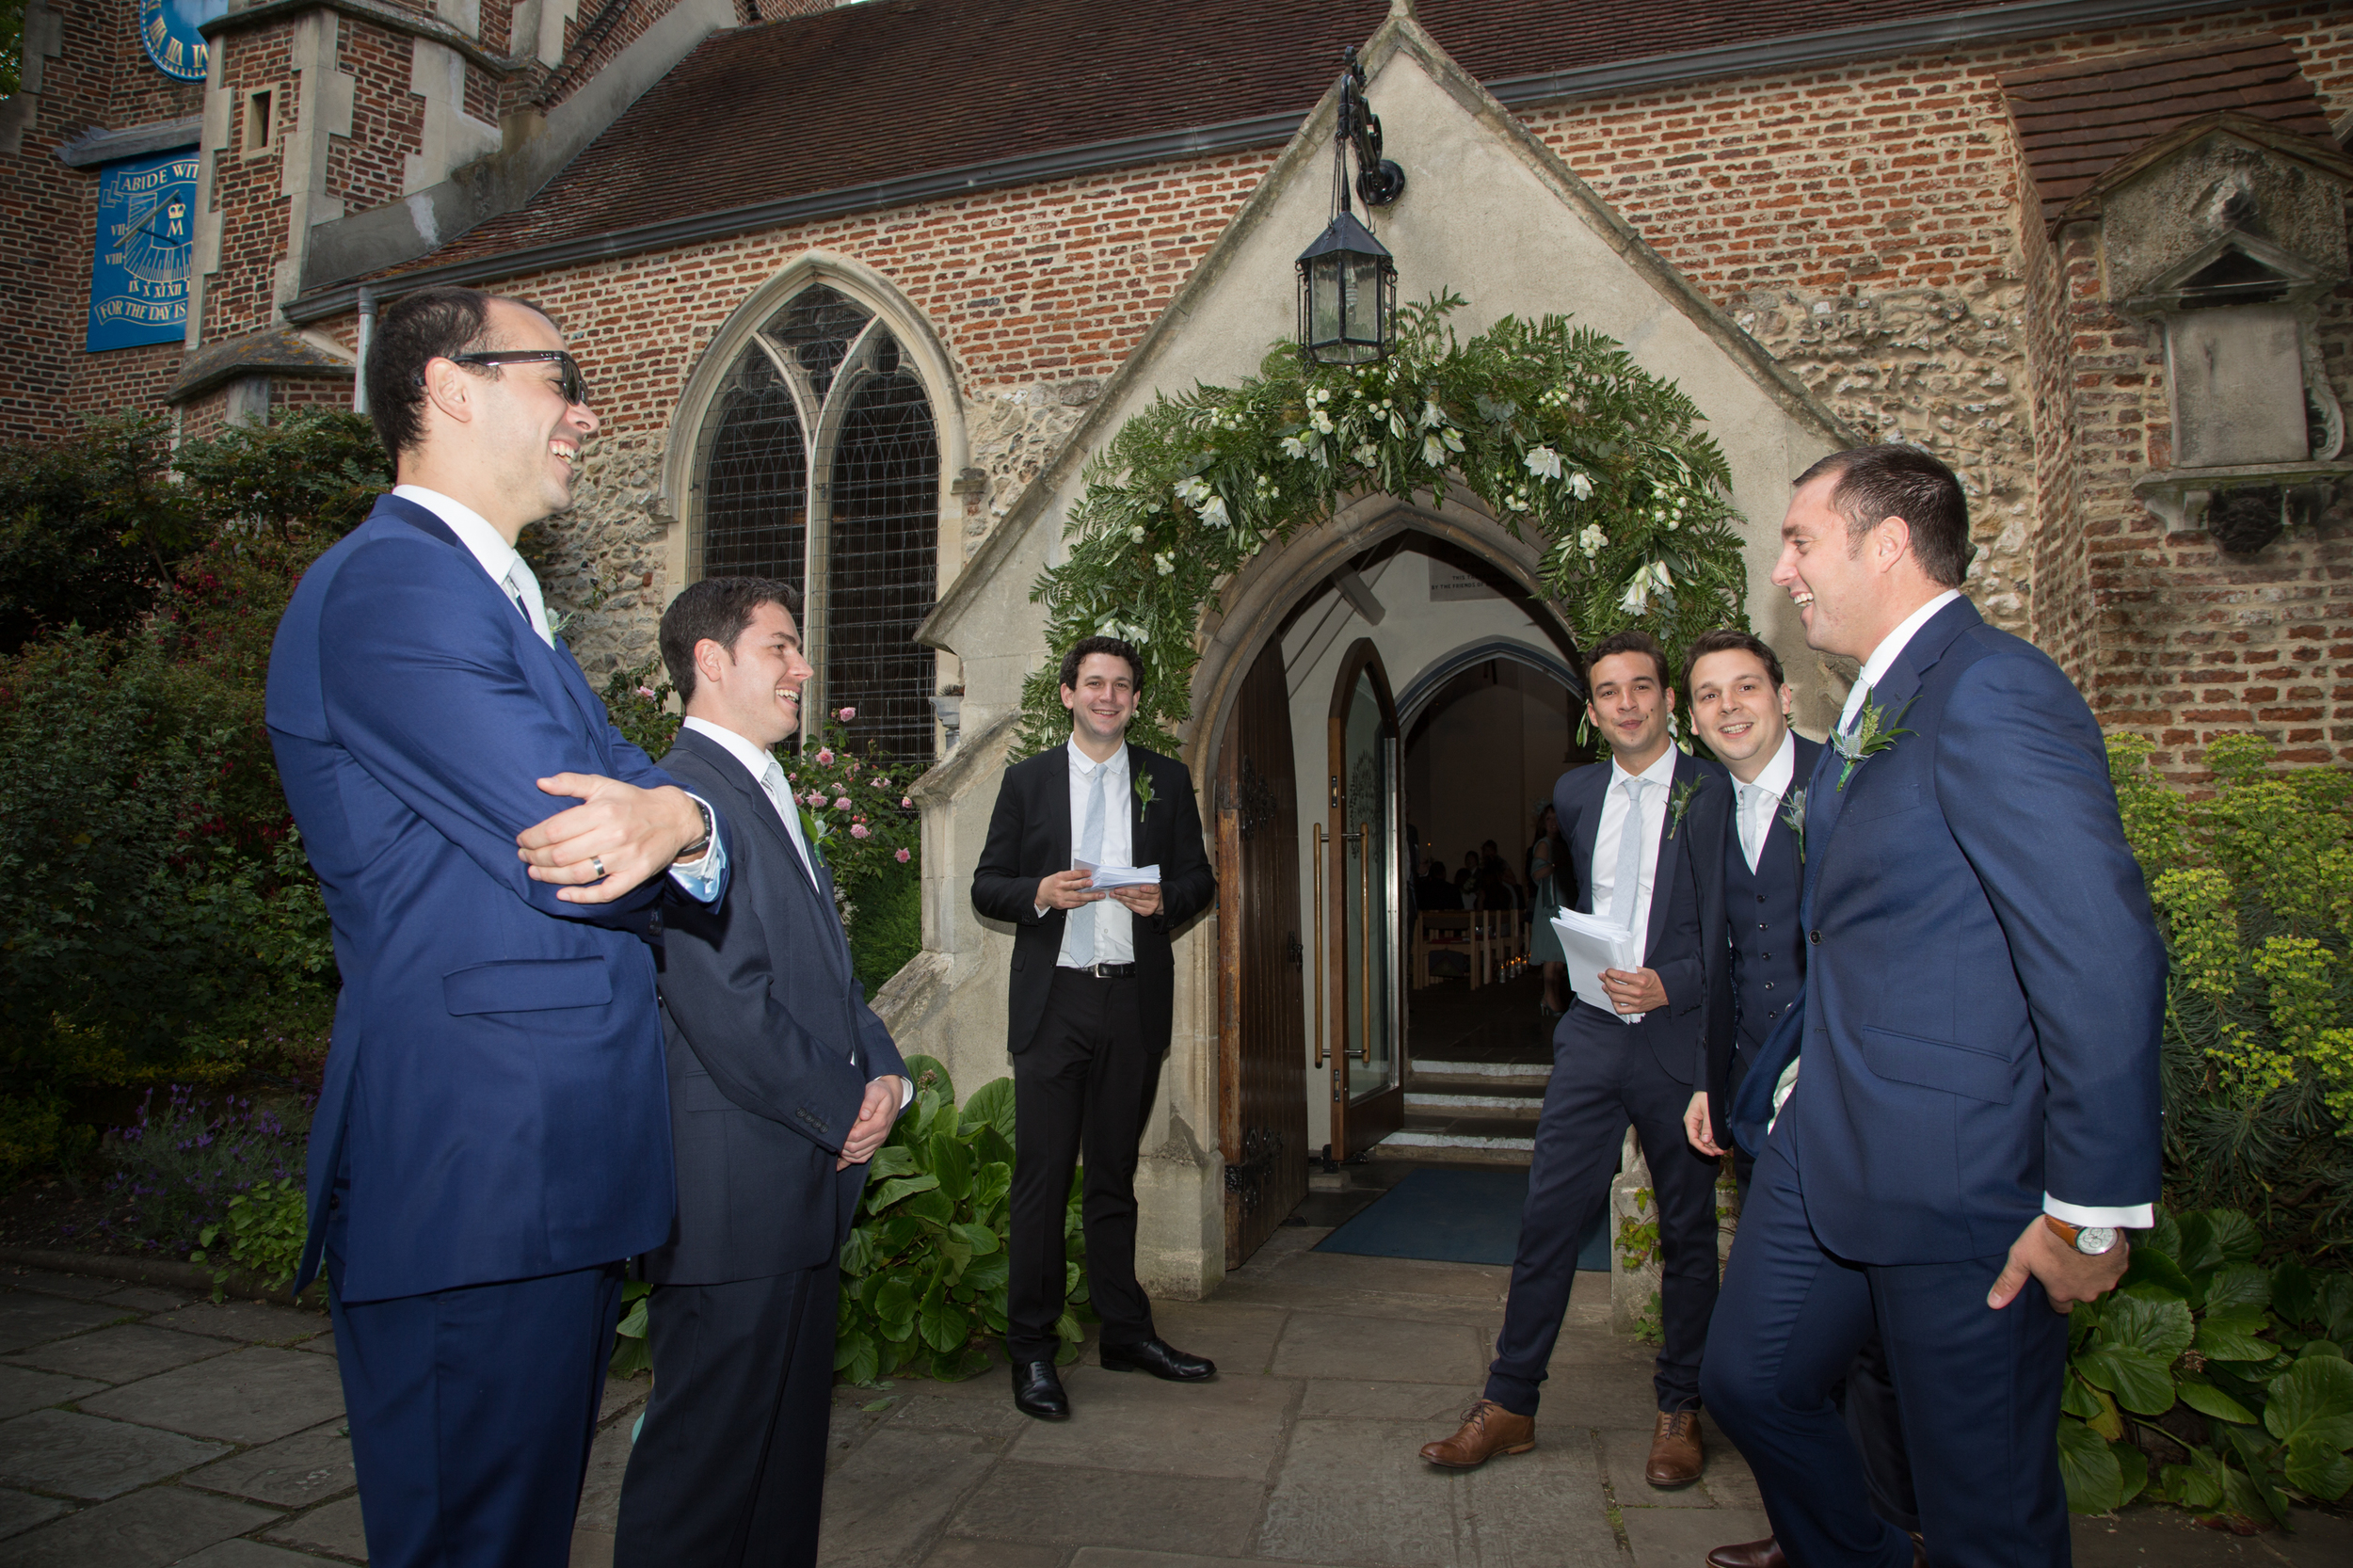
column 1093, row 991
column 1637, row 1061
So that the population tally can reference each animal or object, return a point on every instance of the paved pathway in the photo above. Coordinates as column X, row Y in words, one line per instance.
column 138, row 1428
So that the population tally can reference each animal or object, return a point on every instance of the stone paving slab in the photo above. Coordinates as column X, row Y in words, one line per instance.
column 250, row 1554
column 887, row 1502
column 21, row 1389
column 1133, row 1422
column 124, row 1353
column 1681, row 1538
column 1329, row 1345
column 1546, row 1508
column 20, row 1511
column 161, row 1524
column 256, row 1394
column 965, row 1552
column 146, row 1298
column 253, row 1323
column 81, row 1288
column 82, row 1456
column 29, row 1319
column 1051, row 1503
column 293, row 1472
column 1359, row 1492
column 1241, row 1339
column 334, row 1527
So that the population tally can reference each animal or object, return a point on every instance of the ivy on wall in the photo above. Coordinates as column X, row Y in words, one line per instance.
column 1553, row 428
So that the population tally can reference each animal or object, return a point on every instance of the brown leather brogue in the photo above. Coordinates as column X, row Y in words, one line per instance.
column 1750, row 1554
column 1487, row 1430
column 1676, row 1458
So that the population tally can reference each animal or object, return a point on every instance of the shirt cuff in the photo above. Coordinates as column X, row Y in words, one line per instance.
column 700, row 879
column 907, row 1091
column 2138, row 1216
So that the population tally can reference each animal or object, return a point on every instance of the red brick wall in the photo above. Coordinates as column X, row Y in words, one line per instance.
column 48, row 220
column 370, row 166
column 248, row 193
column 582, row 60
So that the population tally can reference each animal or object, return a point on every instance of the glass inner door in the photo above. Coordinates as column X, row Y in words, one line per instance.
column 1366, row 1094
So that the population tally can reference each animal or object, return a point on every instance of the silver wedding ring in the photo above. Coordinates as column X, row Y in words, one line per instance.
column 597, row 862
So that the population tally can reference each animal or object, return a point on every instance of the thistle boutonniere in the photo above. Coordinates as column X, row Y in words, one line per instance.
column 1144, row 792
column 1793, row 813
column 1873, row 733
column 1680, row 801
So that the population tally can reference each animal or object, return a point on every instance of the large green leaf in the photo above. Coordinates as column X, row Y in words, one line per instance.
column 2207, row 1399
column 2080, row 1400
column 933, row 1206
column 892, row 1159
column 2141, row 1383
column 990, row 1185
column 991, row 1104
column 895, row 1306
column 989, row 1146
column 946, row 1326
column 2165, row 1236
column 930, row 1073
column 2153, row 1272
column 892, row 1191
column 2132, row 1469
column 2317, row 1470
column 2200, row 1254
column 2295, row 1295
column 2313, row 1400
column 2197, row 1485
column 2257, row 1482
column 855, row 1356
column 2095, row 1484
column 952, row 1162
column 2238, row 1284
column 2157, row 1327
column 857, row 1252
column 2235, row 1235
column 2231, row 1336
column 2334, row 1297
column 987, row 1275
column 982, row 1240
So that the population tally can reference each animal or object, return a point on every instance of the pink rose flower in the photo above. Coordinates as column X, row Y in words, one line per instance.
column 848, row 713
column 842, row 805
column 816, row 798
column 646, row 692
column 825, row 756
column 901, row 856
column 907, row 803
column 858, row 830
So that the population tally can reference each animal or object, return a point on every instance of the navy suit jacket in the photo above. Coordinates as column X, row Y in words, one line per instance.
column 1029, row 837
column 1672, row 946
column 495, row 1086
column 1985, row 986
column 1713, row 837
column 771, row 1046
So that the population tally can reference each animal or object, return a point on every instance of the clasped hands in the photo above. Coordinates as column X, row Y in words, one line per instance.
column 1071, row 888
column 884, row 1100
column 636, row 833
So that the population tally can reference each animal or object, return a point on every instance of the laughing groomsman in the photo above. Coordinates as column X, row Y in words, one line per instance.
column 783, row 1082
column 1975, row 1119
column 1751, row 860
column 1630, row 861
column 1090, row 1006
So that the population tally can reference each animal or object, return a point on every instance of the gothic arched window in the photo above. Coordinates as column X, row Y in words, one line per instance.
column 821, row 466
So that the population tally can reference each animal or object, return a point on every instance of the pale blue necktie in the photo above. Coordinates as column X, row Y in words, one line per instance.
column 789, row 812
column 1624, row 891
column 1750, row 830
column 1091, row 851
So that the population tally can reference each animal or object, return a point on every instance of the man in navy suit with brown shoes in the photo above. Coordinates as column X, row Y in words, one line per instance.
column 1089, row 1007
column 1975, row 1117
column 1630, row 861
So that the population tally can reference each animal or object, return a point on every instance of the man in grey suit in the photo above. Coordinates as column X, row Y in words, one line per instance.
column 782, row 1085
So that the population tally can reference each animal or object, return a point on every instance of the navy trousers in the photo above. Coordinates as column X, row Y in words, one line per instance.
column 472, row 1413
column 1604, row 1076
column 1976, row 1392
column 730, row 1468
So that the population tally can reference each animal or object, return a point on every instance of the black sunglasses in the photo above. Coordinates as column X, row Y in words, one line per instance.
column 573, row 385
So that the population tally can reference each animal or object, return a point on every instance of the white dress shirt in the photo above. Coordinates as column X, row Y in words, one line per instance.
column 1760, row 802
column 757, row 764
column 1659, row 779
column 1114, row 922
column 513, row 575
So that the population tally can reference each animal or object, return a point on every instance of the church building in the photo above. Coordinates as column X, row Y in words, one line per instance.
column 860, row 288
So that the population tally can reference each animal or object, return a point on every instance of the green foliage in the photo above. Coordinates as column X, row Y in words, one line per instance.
column 11, row 47
column 86, row 529
column 889, row 931
column 631, row 1355
column 263, row 1234
column 1554, row 427
column 923, row 1273
column 2253, row 890
column 2208, row 1380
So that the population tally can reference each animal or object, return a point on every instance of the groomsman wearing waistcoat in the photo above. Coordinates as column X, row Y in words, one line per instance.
column 1749, row 890
column 1976, row 1117
column 1629, row 859
column 1089, row 1008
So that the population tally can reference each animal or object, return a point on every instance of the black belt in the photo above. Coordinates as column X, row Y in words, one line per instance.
column 1102, row 971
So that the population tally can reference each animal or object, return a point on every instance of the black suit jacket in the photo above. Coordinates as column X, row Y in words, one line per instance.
column 1673, row 946
column 1712, row 835
column 1029, row 838
column 771, row 1046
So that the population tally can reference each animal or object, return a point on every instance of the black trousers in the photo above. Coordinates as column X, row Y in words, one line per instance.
column 730, row 1468
column 1604, row 1076
column 1085, row 1083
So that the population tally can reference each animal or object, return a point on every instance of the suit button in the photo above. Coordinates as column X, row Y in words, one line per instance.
column 1768, row 985
column 1769, row 958
column 1762, row 926
column 1760, row 898
column 1814, row 936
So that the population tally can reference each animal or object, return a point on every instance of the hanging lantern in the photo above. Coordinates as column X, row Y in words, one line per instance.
column 1347, row 278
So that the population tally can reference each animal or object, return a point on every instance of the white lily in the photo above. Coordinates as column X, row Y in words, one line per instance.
column 1545, row 462
column 1294, row 447
column 1581, row 484
column 1213, row 513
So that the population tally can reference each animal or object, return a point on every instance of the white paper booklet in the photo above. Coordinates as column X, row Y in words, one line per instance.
column 1591, row 944
column 1108, row 877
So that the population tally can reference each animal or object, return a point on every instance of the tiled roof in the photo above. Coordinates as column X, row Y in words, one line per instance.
column 2076, row 120
column 894, row 89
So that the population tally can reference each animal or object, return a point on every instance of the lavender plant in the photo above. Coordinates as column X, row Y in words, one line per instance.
column 178, row 1166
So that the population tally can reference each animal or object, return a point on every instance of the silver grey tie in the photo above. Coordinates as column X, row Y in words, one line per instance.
column 788, row 810
column 1624, row 891
column 1091, row 851
column 1751, row 831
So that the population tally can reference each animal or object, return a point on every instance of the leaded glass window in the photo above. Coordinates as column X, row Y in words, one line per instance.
column 821, row 467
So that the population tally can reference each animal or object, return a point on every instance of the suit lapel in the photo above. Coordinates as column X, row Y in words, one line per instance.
column 1588, row 830
column 752, row 803
column 1670, row 841
column 1055, row 781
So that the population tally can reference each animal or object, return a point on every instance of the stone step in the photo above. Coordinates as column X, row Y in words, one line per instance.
column 1471, row 1133
column 1447, row 1104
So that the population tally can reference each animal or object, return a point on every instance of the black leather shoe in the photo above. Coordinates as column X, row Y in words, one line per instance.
column 1159, row 1358
column 1037, row 1391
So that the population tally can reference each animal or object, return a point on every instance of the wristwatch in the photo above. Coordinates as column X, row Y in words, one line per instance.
column 701, row 846
column 2091, row 1240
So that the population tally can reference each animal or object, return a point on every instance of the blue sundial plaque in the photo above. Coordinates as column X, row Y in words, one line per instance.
column 169, row 29
column 139, row 281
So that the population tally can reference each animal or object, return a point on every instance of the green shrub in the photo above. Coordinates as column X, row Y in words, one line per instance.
column 2253, row 890
column 89, row 528
column 2230, row 1378
column 263, row 1233
column 886, row 926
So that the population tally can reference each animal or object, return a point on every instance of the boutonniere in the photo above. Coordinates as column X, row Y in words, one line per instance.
column 1873, row 733
column 1680, row 802
column 1793, row 813
column 1144, row 792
